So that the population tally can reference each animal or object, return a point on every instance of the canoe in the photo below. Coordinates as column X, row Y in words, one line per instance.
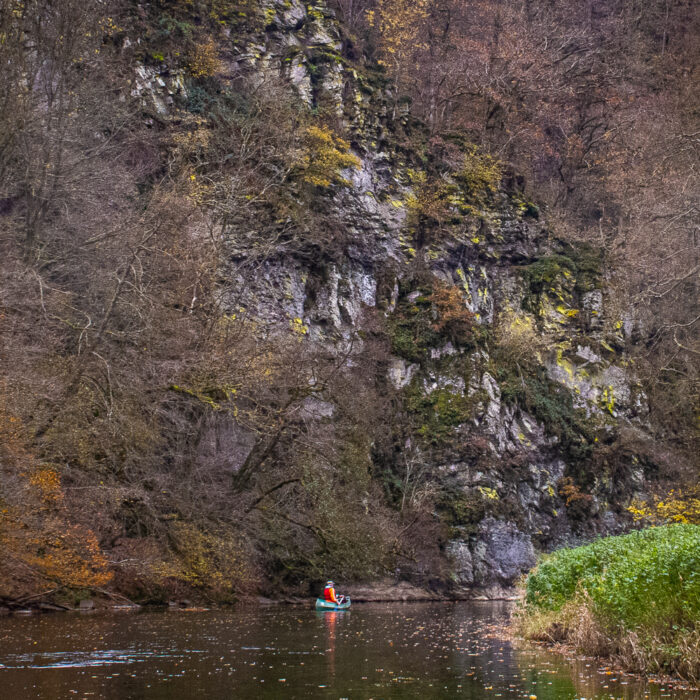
column 322, row 604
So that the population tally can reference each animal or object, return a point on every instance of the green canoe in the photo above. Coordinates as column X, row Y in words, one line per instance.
column 322, row 604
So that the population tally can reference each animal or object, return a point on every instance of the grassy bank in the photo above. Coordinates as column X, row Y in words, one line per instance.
column 634, row 597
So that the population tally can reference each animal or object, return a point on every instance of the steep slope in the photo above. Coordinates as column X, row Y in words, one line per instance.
column 271, row 329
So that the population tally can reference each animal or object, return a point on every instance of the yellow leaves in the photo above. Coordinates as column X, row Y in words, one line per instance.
column 270, row 15
column 481, row 173
column 400, row 25
column 209, row 560
column 488, row 493
column 108, row 26
column 204, row 61
column 205, row 395
column 298, row 327
column 564, row 311
column 199, row 191
column 679, row 506
column 430, row 198
column 324, row 156
column 195, row 140
column 608, row 398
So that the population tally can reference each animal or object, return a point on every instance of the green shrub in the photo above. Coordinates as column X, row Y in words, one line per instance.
column 632, row 578
column 643, row 586
column 411, row 328
column 543, row 273
column 171, row 27
column 439, row 411
column 582, row 264
column 461, row 512
column 589, row 265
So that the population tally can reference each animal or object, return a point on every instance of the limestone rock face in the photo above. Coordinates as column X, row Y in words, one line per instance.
column 462, row 562
column 502, row 553
column 510, row 417
column 159, row 88
column 400, row 373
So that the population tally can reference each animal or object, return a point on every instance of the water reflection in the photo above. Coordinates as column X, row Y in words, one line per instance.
column 376, row 651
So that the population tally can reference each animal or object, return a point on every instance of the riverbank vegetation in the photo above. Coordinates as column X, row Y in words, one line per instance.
column 633, row 597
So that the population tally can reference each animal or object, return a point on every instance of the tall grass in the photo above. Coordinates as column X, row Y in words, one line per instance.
column 635, row 597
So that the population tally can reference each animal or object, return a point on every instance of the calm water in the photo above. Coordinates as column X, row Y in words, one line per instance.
column 373, row 651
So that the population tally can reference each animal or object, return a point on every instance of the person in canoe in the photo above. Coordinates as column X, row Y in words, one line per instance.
column 330, row 596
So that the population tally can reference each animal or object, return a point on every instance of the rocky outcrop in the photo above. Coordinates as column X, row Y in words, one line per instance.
column 509, row 418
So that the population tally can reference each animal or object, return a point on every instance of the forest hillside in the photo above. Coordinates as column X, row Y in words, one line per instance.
column 372, row 289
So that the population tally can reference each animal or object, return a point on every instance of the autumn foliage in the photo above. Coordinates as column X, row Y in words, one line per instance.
column 40, row 548
column 453, row 318
column 680, row 505
column 204, row 62
column 323, row 156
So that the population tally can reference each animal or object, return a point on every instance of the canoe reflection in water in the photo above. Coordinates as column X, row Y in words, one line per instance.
column 331, row 619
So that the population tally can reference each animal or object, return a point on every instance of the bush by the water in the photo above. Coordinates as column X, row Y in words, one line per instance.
column 635, row 596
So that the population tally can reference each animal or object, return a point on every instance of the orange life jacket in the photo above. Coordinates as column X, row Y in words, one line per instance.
column 329, row 594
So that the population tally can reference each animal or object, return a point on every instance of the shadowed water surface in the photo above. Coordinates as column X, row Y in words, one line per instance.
column 435, row 650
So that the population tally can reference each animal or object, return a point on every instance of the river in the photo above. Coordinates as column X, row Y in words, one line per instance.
column 389, row 650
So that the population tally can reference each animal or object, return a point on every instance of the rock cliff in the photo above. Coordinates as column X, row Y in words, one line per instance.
column 513, row 404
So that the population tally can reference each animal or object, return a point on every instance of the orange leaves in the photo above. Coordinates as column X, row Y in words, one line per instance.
column 41, row 548
column 453, row 317
column 47, row 484
column 39, row 545
column 68, row 556
column 576, row 501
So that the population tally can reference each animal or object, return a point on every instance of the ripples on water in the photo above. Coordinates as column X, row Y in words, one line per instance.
column 375, row 651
